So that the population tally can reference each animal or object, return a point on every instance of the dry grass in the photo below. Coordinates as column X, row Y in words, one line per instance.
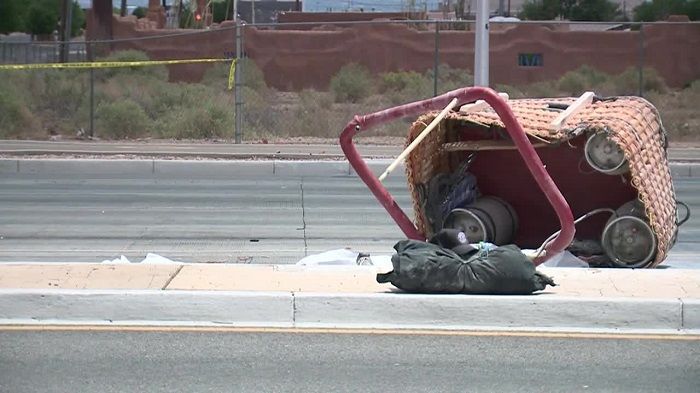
column 140, row 103
column 679, row 112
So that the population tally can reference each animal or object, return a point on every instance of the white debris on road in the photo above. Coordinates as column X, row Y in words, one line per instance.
column 347, row 257
column 150, row 258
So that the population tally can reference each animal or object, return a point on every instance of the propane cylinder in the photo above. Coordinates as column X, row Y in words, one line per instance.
column 605, row 156
column 489, row 219
column 627, row 237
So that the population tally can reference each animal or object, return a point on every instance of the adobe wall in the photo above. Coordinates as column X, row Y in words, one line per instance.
column 294, row 60
column 321, row 17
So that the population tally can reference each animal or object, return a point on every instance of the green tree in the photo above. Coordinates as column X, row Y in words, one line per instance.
column 540, row 9
column 693, row 10
column 594, row 10
column 578, row 10
column 186, row 15
column 11, row 16
column 77, row 20
column 221, row 11
column 654, row 10
column 139, row 12
column 42, row 17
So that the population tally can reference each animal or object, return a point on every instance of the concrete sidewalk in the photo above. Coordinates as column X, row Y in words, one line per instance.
column 609, row 300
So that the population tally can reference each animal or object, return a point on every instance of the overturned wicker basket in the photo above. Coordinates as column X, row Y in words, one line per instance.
column 631, row 122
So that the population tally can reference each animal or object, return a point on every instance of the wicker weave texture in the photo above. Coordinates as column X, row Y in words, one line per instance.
column 632, row 122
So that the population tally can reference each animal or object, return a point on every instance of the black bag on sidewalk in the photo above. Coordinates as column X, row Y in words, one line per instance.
column 429, row 268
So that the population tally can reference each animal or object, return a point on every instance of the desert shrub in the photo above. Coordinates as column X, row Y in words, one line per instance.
column 15, row 117
column 512, row 91
column 53, row 97
column 260, row 119
column 169, row 97
column 402, row 87
column 398, row 127
column 584, row 78
column 627, row 82
column 322, row 99
column 144, row 90
column 121, row 119
column 397, row 81
column 61, row 91
column 541, row 89
column 451, row 78
column 573, row 83
column 158, row 72
column 352, row 83
column 209, row 119
column 678, row 110
column 318, row 116
column 311, row 114
column 593, row 76
column 253, row 77
column 150, row 94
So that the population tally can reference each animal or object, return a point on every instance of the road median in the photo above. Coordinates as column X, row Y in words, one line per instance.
column 610, row 300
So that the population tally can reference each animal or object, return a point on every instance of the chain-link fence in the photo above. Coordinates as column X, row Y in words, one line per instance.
column 307, row 80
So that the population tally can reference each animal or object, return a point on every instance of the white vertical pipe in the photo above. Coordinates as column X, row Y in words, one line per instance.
column 481, row 44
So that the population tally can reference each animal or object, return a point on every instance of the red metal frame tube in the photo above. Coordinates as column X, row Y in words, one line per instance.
column 514, row 129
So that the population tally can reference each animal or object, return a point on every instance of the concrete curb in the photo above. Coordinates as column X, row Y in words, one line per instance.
column 131, row 306
column 220, row 169
column 184, row 168
column 361, row 311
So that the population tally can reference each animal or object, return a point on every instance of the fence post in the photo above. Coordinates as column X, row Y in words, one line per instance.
column 436, row 59
column 91, row 54
column 238, row 124
column 641, row 60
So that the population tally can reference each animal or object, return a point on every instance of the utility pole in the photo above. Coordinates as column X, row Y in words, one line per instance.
column 481, row 44
column 64, row 33
column 252, row 11
column 122, row 11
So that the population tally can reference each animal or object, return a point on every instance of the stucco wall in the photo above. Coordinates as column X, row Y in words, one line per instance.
column 293, row 60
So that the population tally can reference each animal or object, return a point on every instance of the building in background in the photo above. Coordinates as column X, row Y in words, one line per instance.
column 497, row 7
column 265, row 11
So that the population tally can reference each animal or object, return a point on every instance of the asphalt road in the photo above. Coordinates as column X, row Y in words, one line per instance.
column 239, row 220
column 304, row 362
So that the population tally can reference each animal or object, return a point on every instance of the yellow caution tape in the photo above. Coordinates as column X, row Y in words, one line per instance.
column 231, row 73
column 120, row 64
column 107, row 64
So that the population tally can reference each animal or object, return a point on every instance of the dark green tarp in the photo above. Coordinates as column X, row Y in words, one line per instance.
column 429, row 268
